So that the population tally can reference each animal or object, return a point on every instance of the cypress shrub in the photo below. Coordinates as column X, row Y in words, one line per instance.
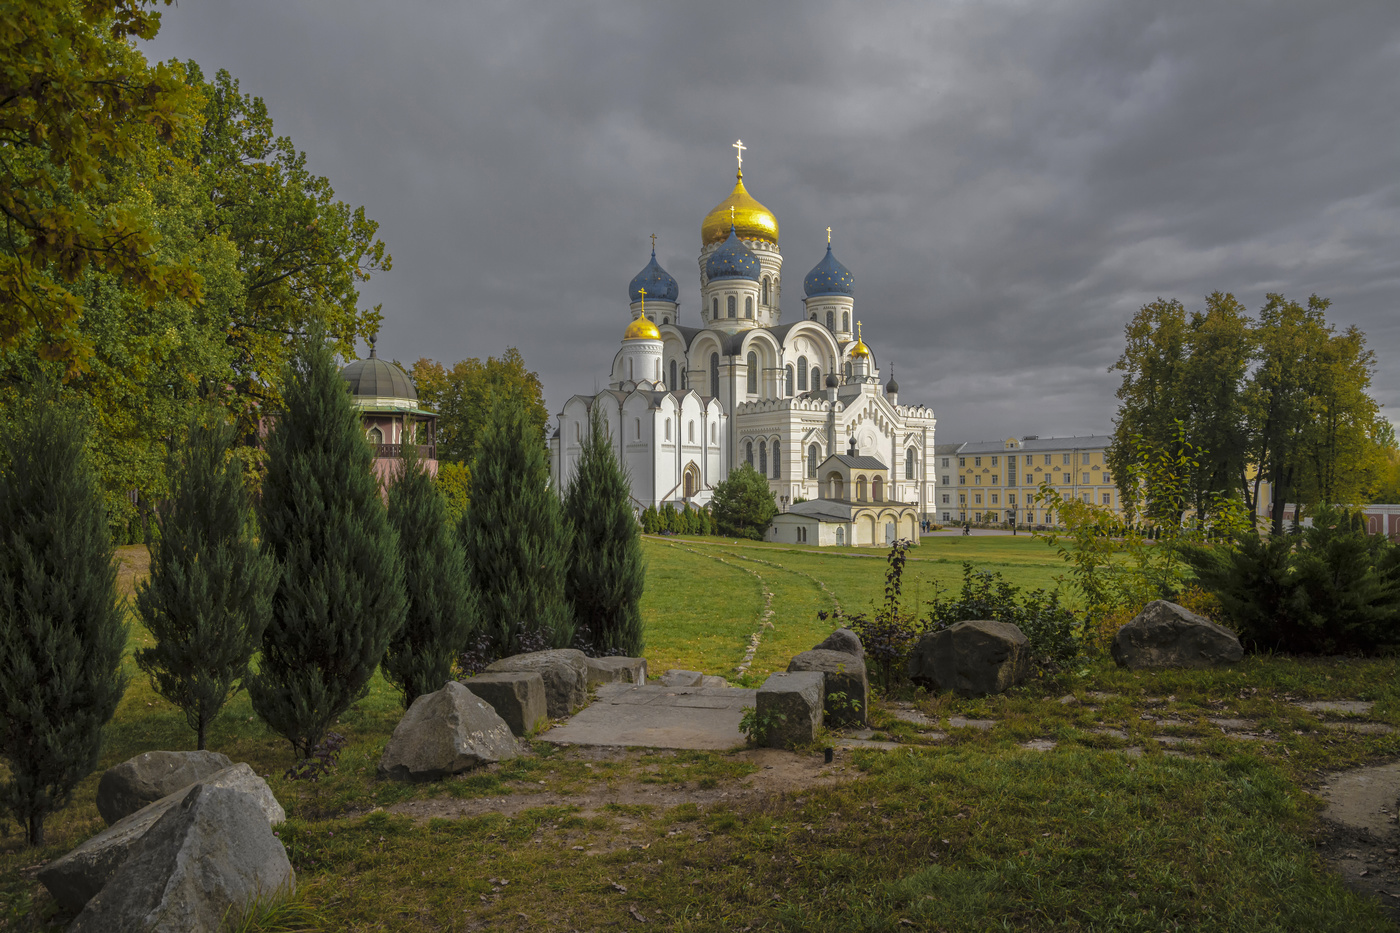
column 651, row 523
column 441, row 611
column 515, row 536
column 340, row 592
column 606, row 571
column 209, row 595
column 62, row 629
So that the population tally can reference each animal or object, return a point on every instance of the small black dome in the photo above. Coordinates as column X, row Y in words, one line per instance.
column 831, row 381
column 892, row 387
column 376, row 378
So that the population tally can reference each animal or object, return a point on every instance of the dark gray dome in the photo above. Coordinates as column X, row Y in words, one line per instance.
column 376, row 378
column 892, row 386
column 832, row 381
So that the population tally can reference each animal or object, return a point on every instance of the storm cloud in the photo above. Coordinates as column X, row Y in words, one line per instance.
column 1008, row 181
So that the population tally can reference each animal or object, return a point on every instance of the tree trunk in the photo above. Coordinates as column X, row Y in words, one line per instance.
column 36, row 829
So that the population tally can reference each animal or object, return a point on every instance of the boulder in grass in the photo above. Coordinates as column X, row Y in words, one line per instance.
column 565, row 673
column 616, row 670
column 444, row 733
column 136, row 782
column 516, row 696
column 974, row 658
column 73, row 879
column 846, row 693
column 843, row 639
column 788, row 708
column 678, row 678
column 1167, row 635
column 713, row 680
column 208, row 860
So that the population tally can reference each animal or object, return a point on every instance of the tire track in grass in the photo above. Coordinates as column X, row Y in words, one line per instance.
column 765, row 618
column 698, row 615
column 794, row 626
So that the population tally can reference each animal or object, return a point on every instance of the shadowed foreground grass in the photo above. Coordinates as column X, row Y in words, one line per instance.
column 974, row 833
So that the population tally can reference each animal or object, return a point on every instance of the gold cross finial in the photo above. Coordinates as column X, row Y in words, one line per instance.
column 858, row 336
column 731, row 215
column 739, row 145
column 828, row 236
column 643, row 293
column 653, row 242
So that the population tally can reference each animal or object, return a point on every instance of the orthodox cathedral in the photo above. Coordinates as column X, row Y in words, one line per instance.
column 801, row 400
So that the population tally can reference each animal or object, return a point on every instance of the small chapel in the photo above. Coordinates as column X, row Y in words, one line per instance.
column 692, row 397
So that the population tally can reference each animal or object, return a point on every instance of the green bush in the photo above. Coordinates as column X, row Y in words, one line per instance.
column 1052, row 630
column 1331, row 589
column 743, row 504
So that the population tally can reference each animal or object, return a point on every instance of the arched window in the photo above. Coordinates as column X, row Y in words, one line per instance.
column 753, row 373
column 376, row 436
column 789, row 379
column 630, row 373
column 846, row 321
column 657, row 375
column 665, row 320
column 812, row 461
column 668, row 429
column 877, row 489
column 714, row 374
column 639, row 429
column 802, row 374
column 691, row 432
column 715, row 312
column 816, row 378
column 748, row 307
column 777, row 460
column 714, row 433
column 730, row 301
column 814, row 315
column 831, row 320
column 748, row 453
column 685, row 378
column 909, row 463
column 763, row 458
column 765, row 289
column 860, row 489
column 673, row 374
column 848, row 369
column 578, row 432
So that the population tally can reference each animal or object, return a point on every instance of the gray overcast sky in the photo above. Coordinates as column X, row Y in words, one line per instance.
column 1008, row 181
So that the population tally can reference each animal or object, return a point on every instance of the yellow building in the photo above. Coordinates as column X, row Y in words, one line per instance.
column 997, row 481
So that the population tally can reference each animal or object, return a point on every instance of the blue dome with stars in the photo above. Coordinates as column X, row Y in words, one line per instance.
column 660, row 284
column 829, row 277
column 733, row 260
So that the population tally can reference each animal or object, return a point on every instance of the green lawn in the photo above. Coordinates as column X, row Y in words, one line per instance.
column 972, row 833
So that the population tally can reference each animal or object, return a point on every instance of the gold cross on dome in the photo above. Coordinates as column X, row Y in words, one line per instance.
column 653, row 242
column 739, row 145
column 858, row 336
column 731, row 215
column 828, row 236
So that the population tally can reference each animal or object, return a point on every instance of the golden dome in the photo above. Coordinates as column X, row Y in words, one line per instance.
column 752, row 221
column 641, row 329
column 860, row 350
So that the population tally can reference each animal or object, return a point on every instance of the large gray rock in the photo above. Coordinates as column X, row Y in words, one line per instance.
column 136, row 782
column 516, row 696
column 1167, row 635
column 846, row 693
column 565, row 673
column 203, row 864
column 843, row 639
column 443, row 733
column 789, row 708
column 73, row 879
column 616, row 670
column 972, row 658
column 679, row 678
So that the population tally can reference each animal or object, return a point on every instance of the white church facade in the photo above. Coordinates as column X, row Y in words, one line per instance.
column 688, row 402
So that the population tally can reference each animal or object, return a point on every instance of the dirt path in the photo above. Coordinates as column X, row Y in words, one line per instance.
column 1360, row 839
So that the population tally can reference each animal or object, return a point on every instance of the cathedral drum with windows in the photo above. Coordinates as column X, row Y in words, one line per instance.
column 687, row 404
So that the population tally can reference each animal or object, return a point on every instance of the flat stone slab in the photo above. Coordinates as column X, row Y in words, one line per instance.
column 1363, row 728
column 1345, row 707
column 657, row 716
column 958, row 722
column 1363, row 798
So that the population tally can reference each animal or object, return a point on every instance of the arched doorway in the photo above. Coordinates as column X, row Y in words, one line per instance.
column 877, row 489
column 860, row 489
column 692, row 480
